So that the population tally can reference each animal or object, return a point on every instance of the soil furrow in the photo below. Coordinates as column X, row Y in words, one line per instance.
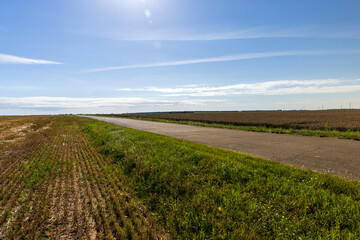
column 64, row 189
column 88, row 222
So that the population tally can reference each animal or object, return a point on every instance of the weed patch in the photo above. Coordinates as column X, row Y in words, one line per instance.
column 201, row 192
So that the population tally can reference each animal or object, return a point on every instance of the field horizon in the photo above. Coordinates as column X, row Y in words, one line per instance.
column 183, row 119
column 76, row 177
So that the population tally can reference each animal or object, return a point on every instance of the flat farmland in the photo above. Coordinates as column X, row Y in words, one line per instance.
column 55, row 185
column 66, row 177
column 341, row 120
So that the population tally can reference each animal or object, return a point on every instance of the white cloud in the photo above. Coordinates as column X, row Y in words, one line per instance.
column 263, row 88
column 314, row 31
column 91, row 103
column 182, row 35
column 238, row 57
column 8, row 59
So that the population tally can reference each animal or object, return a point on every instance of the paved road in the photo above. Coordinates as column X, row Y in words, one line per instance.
column 335, row 156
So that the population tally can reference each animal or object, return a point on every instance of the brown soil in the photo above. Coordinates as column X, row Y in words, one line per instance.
column 58, row 186
column 330, row 119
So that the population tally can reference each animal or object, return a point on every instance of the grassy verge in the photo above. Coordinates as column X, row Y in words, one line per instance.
column 353, row 135
column 201, row 192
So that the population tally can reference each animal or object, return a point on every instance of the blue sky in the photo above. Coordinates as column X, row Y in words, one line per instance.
column 114, row 56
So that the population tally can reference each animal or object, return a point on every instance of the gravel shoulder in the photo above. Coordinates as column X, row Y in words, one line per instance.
column 335, row 156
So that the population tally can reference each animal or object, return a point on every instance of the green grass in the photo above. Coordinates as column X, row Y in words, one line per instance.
column 353, row 135
column 202, row 192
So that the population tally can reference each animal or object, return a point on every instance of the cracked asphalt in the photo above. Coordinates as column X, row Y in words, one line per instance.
column 330, row 155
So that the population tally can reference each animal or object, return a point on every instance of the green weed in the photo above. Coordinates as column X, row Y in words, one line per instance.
column 202, row 192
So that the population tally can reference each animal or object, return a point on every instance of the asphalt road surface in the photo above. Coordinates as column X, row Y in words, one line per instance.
column 335, row 156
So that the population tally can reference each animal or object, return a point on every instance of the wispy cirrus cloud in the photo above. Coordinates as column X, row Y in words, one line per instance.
column 261, row 32
column 10, row 59
column 92, row 103
column 262, row 88
column 183, row 35
column 238, row 57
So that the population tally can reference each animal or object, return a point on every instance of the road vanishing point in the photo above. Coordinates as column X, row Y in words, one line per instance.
column 339, row 157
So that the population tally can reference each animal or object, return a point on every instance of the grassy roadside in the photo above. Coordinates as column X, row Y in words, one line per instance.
column 353, row 135
column 201, row 192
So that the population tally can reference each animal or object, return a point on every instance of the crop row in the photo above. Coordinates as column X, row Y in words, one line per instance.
column 66, row 189
column 341, row 120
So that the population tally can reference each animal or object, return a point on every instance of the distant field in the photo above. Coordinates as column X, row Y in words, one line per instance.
column 341, row 120
column 77, row 178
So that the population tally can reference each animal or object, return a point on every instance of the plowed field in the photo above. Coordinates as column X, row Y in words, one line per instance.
column 341, row 120
column 54, row 184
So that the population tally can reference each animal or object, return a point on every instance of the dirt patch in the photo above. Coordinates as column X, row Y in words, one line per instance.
column 65, row 189
column 12, row 130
